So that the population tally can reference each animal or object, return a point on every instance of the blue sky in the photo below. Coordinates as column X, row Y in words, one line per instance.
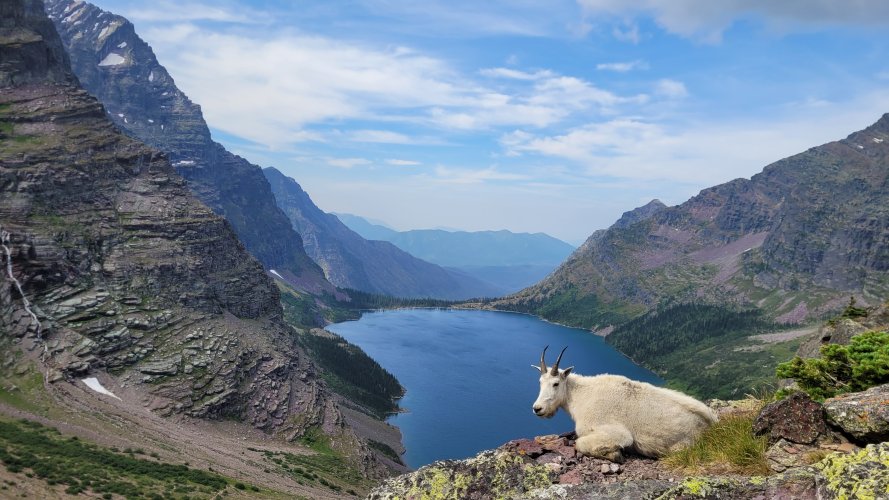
column 552, row 116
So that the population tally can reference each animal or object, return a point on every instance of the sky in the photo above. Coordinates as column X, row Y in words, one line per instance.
column 550, row 116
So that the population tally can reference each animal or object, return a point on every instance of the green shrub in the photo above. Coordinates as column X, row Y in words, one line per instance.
column 855, row 367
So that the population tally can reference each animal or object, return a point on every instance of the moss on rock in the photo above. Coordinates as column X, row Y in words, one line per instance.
column 492, row 474
column 863, row 475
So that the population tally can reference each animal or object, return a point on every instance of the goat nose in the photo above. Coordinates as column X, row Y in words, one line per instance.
column 537, row 409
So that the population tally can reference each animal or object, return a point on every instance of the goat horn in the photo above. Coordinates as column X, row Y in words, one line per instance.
column 542, row 362
column 555, row 370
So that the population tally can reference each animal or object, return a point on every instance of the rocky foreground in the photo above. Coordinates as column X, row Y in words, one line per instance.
column 834, row 450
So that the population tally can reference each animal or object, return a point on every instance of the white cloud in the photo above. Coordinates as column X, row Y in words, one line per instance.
column 178, row 12
column 347, row 162
column 707, row 19
column 379, row 136
column 514, row 74
column 402, row 163
column 697, row 153
column 671, row 89
column 336, row 80
column 622, row 67
column 629, row 34
column 448, row 175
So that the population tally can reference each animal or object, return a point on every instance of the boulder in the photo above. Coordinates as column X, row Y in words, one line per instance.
column 864, row 416
column 784, row 455
column 796, row 419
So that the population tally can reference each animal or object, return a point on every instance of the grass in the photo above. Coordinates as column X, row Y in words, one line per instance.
column 719, row 368
column 385, row 449
column 23, row 389
column 32, row 449
column 728, row 446
column 326, row 467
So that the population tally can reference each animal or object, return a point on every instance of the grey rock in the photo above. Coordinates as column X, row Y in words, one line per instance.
column 862, row 415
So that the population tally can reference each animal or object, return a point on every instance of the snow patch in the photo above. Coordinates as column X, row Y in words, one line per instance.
column 183, row 163
column 120, row 115
column 150, row 120
column 859, row 146
column 121, row 45
column 276, row 274
column 878, row 140
column 105, row 31
column 94, row 384
column 112, row 59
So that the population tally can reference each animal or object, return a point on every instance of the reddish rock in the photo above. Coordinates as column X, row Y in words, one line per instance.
column 573, row 476
column 549, row 458
column 796, row 419
column 527, row 447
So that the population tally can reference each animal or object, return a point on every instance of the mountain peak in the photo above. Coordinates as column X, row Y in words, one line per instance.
column 640, row 213
column 880, row 126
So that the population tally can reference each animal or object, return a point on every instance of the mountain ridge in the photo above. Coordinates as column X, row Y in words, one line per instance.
column 509, row 261
column 351, row 261
column 794, row 240
column 113, row 270
column 114, row 64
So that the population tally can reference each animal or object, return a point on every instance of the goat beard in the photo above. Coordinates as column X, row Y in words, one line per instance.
column 550, row 414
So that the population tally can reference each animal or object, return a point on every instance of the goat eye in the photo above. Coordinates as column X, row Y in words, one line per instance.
column 556, row 384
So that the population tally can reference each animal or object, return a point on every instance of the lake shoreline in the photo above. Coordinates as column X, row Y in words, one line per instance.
column 438, row 353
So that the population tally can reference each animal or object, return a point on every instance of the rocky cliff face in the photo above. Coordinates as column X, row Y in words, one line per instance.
column 794, row 241
column 121, row 70
column 111, row 265
column 351, row 261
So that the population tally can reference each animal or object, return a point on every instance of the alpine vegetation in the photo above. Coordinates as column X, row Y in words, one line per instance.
column 612, row 413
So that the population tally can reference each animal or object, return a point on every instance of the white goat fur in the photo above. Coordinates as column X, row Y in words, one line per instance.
column 612, row 413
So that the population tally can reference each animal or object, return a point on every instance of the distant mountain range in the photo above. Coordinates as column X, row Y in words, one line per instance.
column 351, row 261
column 794, row 241
column 117, row 66
column 511, row 261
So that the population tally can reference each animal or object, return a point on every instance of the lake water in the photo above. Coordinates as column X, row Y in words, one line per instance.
column 468, row 377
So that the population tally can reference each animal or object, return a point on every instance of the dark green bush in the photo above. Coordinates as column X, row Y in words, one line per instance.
column 855, row 367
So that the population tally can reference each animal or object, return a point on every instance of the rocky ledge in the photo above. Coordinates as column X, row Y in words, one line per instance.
column 815, row 453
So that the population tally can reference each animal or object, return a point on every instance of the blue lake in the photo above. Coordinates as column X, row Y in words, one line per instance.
column 468, row 376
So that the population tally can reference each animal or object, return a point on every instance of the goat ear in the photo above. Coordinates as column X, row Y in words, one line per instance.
column 535, row 367
column 564, row 373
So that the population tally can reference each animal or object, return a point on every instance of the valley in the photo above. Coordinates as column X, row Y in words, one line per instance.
column 177, row 321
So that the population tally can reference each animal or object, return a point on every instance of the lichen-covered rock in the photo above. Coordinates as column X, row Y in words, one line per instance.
column 862, row 415
column 507, row 473
column 796, row 418
column 863, row 475
column 490, row 475
column 784, row 455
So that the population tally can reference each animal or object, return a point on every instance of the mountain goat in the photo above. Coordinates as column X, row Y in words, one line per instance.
column 612, row 413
